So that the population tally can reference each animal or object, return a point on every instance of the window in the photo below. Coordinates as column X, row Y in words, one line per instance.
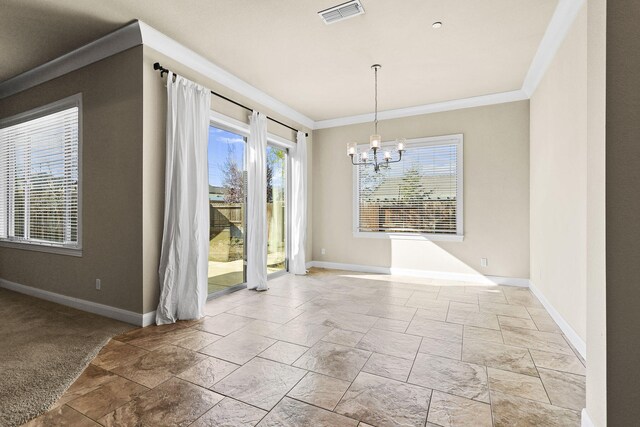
column 39, row 177
column 420, row 197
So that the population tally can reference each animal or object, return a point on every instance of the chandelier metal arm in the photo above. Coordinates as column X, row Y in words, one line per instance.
column 376, row 164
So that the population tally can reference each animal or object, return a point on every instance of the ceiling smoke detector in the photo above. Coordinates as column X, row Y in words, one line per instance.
column 341, row 12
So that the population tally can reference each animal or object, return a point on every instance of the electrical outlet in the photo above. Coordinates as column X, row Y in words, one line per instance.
column 323, row 251
column 484, row 262
column 98, row 284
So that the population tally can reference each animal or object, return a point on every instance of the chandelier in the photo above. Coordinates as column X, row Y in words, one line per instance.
column 375, row 140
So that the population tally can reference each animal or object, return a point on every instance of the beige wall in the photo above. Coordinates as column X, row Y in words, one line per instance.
column 559, row 179
column 496, row 194
column 111, row 187
column 153, row 163
column 596, row 275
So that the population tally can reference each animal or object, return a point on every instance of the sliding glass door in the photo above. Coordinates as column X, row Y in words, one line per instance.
column 227, row 203
column 276, row 209
column 227, row 208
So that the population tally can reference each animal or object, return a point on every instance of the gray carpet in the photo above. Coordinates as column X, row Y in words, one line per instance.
column 44, row 347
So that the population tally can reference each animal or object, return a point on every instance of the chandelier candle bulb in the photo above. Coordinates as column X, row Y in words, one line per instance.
column 375, row 140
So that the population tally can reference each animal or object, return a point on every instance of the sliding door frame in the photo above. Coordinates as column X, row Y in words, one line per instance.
column 232, row 125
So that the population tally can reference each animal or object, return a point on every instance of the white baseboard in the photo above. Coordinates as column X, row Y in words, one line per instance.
column 126, row 316
column 568, row 331
column 458, row 277
column 149, row 318
column 586, row 421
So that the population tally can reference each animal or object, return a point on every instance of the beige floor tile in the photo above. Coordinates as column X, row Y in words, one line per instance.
column 391, row 325
column 238, row 347
column 223, row 324
column 451, row 376
column 342, row 337
column 468, row 298
column 391, row 343
column 474, row 333
column 107, row 398
column 395, row 312
column 465, row 342
column 320, row 390
column 536, row 340
column 231, row 413
column 269, row 314
column 382, row 401
column 62, row 416
column 335, row 360
column 558, row 362
column 340, row 320
column 158, row 366
column 116, row 353
column 564, row 389
column 434, row 329
column 471, row 318
column 505, row 310
column 284, row 352
column 260, row 327
column 517, row 322
column 509, row 411
column 450, row 349
column 519, row 385
column 492, row 298
column 522, row 297
column 148, row 331
column 429, row 302
column 175, row 402
column 196, row 339
column 155, row 341
column 292, row 413
column 500, row 356
column 208, row 372
column 306, row 334
column 463, row 306
column 260, row 382
column 448, row 410
column 386, row 366
column 92, row 378
column 543, row 320
column 438, row 313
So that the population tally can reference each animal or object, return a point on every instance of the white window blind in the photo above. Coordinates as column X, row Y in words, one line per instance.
column 39, row 176
column 420, row 195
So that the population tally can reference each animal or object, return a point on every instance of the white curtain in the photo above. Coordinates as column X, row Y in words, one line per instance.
column 257, row 203
column 299, row 205
column 185, row 239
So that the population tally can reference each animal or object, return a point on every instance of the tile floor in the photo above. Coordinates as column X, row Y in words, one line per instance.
column 338, row 348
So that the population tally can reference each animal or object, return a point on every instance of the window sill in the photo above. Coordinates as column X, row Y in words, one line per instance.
column 409, row 236
column 41, row 248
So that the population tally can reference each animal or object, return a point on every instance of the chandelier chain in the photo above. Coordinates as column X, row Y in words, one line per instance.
column 375, row 70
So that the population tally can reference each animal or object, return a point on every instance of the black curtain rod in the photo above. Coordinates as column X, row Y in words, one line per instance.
column 163, row 70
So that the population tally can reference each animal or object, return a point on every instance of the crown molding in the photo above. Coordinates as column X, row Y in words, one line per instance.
column 137, row 33
column 559, row 25
column 185, row 56
column 117, row 41
column 456, row 104
column 556, row 32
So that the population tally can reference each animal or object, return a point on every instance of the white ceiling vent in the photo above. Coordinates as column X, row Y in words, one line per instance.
column 342, row 11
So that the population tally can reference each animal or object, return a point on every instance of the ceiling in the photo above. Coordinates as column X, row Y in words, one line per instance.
column 283, row 48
